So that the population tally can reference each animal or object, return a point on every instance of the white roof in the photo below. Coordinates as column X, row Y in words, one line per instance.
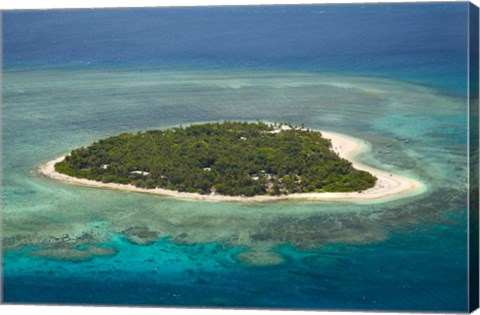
column 143, row 173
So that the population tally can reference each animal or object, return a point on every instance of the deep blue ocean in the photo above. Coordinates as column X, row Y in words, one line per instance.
column 393, row 74
column 423, row 42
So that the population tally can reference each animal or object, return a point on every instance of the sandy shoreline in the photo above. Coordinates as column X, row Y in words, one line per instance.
column 388, row 187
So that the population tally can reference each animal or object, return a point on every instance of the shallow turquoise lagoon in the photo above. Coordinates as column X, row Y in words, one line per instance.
column 72, row 244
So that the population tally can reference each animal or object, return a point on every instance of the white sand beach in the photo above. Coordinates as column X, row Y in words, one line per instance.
column 388, row 187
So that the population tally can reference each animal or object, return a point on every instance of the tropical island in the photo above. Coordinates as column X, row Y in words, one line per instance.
column 229, row 158
column 233, row 161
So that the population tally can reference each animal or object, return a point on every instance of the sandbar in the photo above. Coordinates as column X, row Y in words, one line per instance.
column 389, row 186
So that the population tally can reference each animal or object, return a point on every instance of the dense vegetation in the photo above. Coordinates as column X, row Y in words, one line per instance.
column 229, row 158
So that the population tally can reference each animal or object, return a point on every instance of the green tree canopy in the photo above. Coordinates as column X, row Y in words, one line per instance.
column 229, row 158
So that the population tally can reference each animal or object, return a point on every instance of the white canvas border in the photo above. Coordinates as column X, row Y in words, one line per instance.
column 50, row 4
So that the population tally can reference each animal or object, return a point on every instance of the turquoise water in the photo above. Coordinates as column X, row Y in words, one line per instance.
column 287, row 254
column 394, row 75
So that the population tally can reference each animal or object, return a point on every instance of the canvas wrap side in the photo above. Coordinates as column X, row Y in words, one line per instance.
column 473, row 158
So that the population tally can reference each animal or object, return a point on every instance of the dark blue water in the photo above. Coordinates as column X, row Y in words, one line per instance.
column 423, row 42
column 381, row 276
column 422, row 266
